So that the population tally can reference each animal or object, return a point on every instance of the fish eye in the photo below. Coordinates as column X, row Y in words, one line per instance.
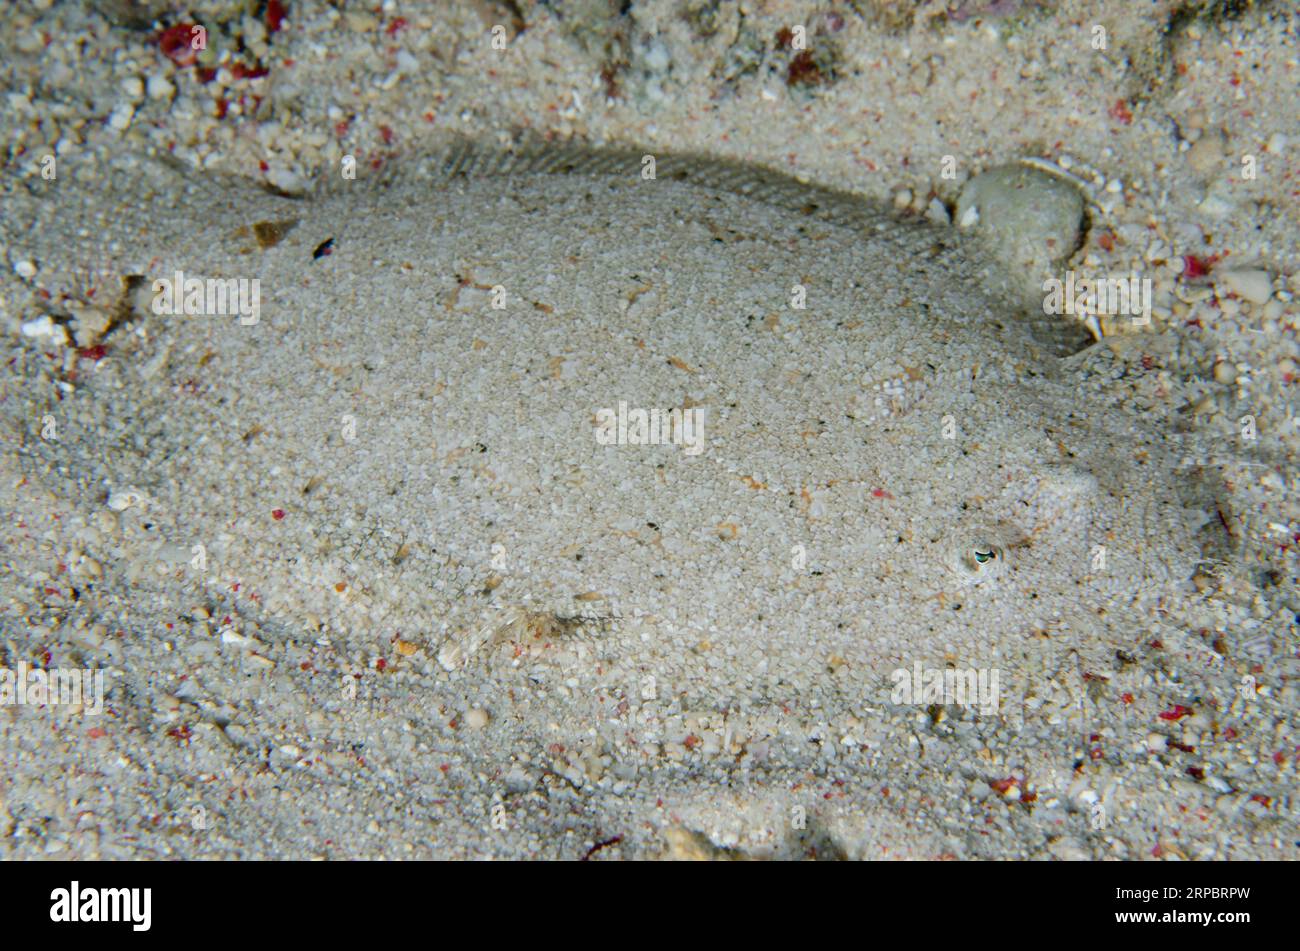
column 980, row 559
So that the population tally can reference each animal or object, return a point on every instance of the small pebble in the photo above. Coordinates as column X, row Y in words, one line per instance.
column 41, row 326
column 160, row 87
column 1028, row 218
column 1249, row 284
column 121, row 117
column 1206, row 156
column 285, row 180
column 476, row 719
column 107, row 521
column 119, row 500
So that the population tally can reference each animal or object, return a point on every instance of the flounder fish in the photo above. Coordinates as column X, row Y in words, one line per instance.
column 595, row 440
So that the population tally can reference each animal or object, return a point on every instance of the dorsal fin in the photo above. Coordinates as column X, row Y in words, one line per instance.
column 908, row 237
column 467, row 159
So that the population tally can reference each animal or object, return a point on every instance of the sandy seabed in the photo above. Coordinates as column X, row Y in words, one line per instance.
column 243, row 716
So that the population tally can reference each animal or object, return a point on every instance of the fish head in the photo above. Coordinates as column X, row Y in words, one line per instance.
column 1030, row 520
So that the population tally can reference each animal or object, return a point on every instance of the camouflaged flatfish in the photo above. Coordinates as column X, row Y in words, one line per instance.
column 722, row 425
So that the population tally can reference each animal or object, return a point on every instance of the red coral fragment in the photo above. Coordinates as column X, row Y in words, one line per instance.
column 240, row 71
column 1194, row 267
column 176, row 43
column 803, row 71
column 275, row 14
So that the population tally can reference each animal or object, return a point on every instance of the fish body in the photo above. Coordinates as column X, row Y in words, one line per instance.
column 706, row 438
